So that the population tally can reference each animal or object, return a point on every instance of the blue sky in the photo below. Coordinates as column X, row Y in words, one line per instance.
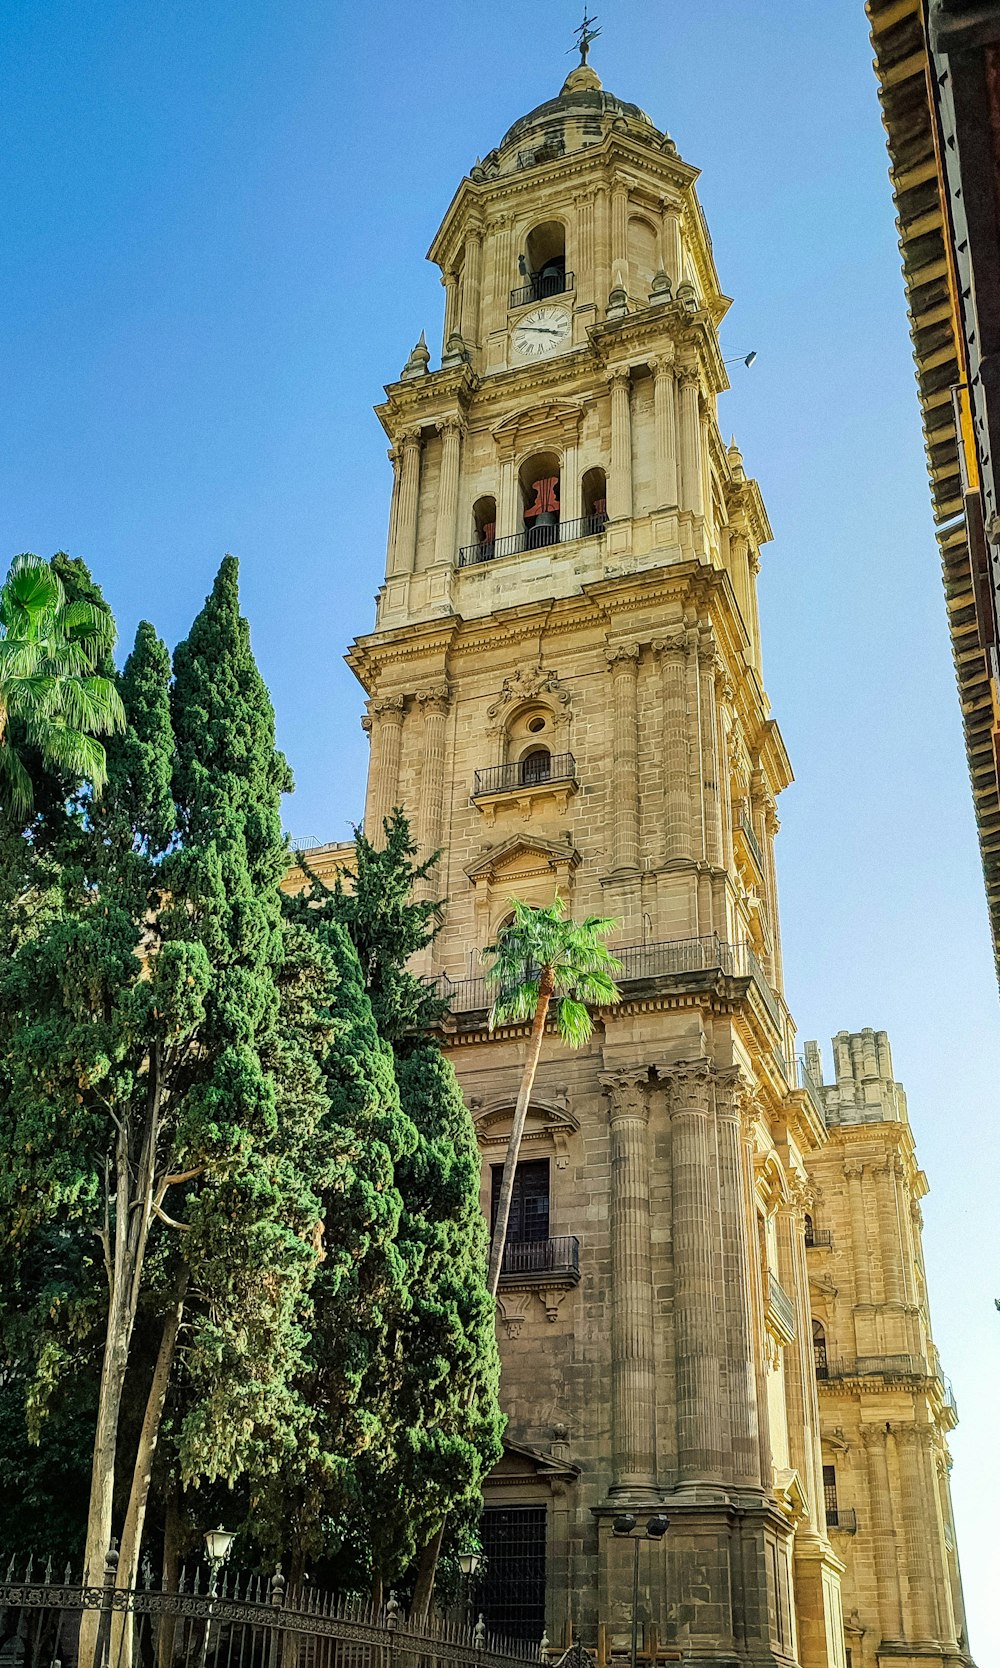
column 215, row 223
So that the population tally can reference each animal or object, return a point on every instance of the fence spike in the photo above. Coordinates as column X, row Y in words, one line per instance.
column 28, row 1572
column 47, row 1577
column 67, row 1574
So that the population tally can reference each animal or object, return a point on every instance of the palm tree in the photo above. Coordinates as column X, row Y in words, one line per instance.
column 51, row 699
column 541, row 960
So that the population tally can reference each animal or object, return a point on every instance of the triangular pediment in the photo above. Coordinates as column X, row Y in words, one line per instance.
column 522, row 855
column 518, row 1464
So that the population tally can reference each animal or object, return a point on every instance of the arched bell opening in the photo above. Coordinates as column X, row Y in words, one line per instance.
column 595, row 499
column 484, row 525
column 539, row 479
column 544, row 259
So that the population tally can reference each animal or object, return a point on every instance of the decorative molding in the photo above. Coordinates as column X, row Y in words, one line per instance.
column 628, row 1093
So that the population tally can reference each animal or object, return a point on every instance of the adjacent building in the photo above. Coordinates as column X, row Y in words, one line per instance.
column 713, row 1303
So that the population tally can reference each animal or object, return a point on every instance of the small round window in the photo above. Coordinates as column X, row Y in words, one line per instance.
column 536, row 724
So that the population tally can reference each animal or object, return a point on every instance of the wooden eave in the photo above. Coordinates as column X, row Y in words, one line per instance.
column 902, row 67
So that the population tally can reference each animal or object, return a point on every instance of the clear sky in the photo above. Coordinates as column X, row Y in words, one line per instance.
column 215, row 218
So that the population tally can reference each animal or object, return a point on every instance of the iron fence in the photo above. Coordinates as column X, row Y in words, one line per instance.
column 236, row 1622
column 542, row 285
column 532, row 538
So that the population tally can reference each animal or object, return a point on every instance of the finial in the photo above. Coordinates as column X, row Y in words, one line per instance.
column 585, row 34
column 418, row 361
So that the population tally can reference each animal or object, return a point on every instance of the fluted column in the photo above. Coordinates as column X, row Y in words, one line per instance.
column 691, row 494
column 584, row 261
column 434, row 704
column 947, row 1630
column 665, row 428
column 619, row 232
column 916, row 1530
column 707, row 661
column 724, row 697
column 754, row 565
column 620, row 484
column 508, row 505
column 396, row 459
column 741, row 1374
column 854, row 1170
column 633, row 1369
column 771, row 826
column 602, row 246
column 672, row 651
column 889, row 1223
column 503, row 265
column 672, row 260
column 404, row 554
column 883, row 1531
column 800, row 1369
column 445, row 545
column 450, row 282
column 385, row 722
column 472, row 285
column 695, row 1207
column 623, row 660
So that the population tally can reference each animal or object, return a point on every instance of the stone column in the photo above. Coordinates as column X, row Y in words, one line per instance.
column 619, row 232
column 584, row 262
column 672, row 651
column 800, row 1369
column 946, row 1628
column 620, row 484
column 854, row 1170
column 771, row 826
column 890, row 1227
column 445, row 545
column 724, row 697
column 385, row 717
column 633, row 1367
column 754, row 564
column 747, row 1148
column 672, row 260
column 695, row 1207
column 665, row 423
column 405, row 552
column 602, row 247
column 741, row 1374
column 503, row 267
column 691, row 495
column 395, row 458
column 943, row 1467
column 916, row 1531
column 508, row 519
column 472, row 285
column 434, row 704
column 450, row 282
column 880, row 1505
column 707, row 663
column 623, row 660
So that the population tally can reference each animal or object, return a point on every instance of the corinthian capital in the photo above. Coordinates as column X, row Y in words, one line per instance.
column 387, row 707
column 672, row 643
column 873, row 1437
column 435, row 699
column 621, row 653
column 853, row 1169
column 628, row 1092
column 688, row 1085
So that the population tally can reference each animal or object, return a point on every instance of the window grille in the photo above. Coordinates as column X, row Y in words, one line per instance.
column 529, row 1205
column 511, row 1591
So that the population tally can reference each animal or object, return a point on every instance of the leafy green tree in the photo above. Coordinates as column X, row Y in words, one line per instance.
column 544, row 962
column 51, row 698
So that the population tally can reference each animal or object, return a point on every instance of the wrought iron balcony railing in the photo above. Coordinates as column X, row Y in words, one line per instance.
column 533, row 538
column 805, row 1082
column 842, row 1517
column 536, row 771
column 555, row 1259
column 746, row 828
column 877, row 1366
column 822, row 1237
column 780, row 1304
column 541, row 285
column 640, row 963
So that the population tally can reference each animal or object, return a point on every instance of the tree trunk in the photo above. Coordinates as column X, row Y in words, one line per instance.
column 499, row 1240
column 423, row 1591
column 171, row 1575
column 135, row 1516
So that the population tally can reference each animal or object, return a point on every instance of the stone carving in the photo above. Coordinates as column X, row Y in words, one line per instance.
column 627, row 1092
column 522, row 686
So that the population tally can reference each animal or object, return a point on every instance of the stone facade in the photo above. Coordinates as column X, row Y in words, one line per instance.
column 574, row 702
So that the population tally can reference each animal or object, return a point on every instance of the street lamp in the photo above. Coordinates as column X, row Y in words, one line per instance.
column 217, row 1544
column 624, row 1527
column 468, row 1563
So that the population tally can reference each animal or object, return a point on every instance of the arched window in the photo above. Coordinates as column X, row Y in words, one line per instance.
column 484, row 518
column 595, row 499
column 810, row 1231
column 819, row 1350
column 545, row 259
column 540, row 482
column 536, row 766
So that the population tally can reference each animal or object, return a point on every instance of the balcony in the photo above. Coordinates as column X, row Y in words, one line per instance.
column 780, row 1309
column 876, row 1366
column 672, row 959
column 811, row 1089
column 822, row 1237
column 529, row 773
column 541, row 1262
column 533, row 538
column 541, row 285
column 549, row 150
column 844, row 1518
column 746, row 829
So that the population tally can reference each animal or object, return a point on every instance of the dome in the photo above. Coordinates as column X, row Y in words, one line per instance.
column 579, row 117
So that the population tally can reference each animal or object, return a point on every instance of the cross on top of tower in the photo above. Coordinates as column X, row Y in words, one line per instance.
column 585, row 34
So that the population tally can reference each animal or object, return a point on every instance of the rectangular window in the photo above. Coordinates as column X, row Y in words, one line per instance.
column 511, row 1590
column 529, row 1205
column 830, row 1493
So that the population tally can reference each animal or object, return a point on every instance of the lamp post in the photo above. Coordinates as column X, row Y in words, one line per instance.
column 624, row 1527
column 468, row 1563
column 217, row 1544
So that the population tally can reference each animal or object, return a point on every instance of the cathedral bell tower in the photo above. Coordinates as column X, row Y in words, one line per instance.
column 565, row 693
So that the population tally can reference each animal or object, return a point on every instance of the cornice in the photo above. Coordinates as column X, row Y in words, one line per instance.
column 427, row 400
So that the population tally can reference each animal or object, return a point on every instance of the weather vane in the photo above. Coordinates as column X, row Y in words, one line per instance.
column 586, row 34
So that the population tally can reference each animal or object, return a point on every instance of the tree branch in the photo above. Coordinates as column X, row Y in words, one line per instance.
column 185, row 1227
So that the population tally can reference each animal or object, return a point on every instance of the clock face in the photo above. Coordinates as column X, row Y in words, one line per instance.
column 543, row 331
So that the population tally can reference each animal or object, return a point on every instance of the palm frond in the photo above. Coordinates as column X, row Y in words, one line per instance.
column 15, row 783
column 30, row 592
column 20, row 657
column 514, row 1004
column 33, row 696
column 574, row 1021
column 91, row 704
column 71, row 751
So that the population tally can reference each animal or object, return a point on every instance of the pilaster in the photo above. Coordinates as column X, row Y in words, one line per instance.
column 451, row 430
column 883, row 1533
column 404, row 554
column 623, row 661
column 385, row 722
column 633, row 1375
column 620, row 482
